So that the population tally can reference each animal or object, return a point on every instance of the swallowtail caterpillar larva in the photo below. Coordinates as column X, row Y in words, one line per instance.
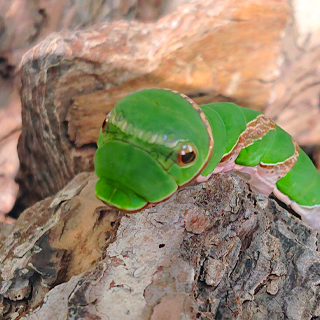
column 156, row 140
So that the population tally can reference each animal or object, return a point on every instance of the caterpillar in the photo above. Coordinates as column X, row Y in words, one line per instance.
column 157, row 140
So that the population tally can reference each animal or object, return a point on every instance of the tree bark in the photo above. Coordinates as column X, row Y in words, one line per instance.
column 212, row 251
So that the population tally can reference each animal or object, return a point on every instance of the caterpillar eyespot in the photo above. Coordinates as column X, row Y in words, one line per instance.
column 186, row 155
column 104, row 123
column 189, row 157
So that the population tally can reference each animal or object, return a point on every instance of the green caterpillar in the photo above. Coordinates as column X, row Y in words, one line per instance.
column 157, row 140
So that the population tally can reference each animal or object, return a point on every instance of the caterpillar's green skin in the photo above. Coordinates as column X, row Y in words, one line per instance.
column 157, row 140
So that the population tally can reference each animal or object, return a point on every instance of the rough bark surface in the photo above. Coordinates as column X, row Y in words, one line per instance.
column 212, row 251
column 56, row 239
column 71, row 80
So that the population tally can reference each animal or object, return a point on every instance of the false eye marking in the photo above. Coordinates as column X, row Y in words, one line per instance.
column 187, row 155
column 202, row 116
column 105, row 121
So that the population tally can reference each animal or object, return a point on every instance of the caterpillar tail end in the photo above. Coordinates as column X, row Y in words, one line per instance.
column 309, row 215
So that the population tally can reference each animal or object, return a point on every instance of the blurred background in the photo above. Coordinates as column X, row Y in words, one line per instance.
column 64, row 64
